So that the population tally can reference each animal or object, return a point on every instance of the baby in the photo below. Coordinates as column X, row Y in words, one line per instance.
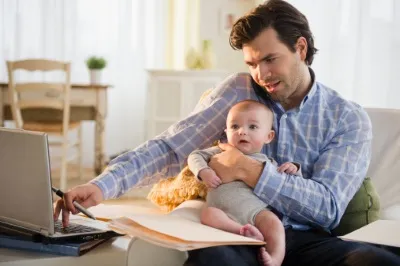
column 233, row 206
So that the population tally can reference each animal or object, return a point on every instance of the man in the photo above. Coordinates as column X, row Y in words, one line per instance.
column 328, row 136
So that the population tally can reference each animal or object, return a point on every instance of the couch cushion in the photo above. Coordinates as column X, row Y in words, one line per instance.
column 385, row 166
column 362, row 209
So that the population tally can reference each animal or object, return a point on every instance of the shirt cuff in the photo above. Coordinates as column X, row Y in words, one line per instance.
column 269, row 184
column 106, row 182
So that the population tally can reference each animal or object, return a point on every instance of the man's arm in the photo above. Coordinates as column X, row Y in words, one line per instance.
column 337, row 175
column 166, row 154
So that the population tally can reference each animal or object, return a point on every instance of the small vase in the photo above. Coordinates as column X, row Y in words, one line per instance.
column 208, row 55
column 95, row 76
column 191, row 58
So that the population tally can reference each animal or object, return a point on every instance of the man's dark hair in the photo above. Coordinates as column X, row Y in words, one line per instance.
column 285, row 19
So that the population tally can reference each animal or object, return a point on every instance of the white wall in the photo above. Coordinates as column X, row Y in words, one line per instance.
column 211, row 27
column 331, row 69
column 125, row 124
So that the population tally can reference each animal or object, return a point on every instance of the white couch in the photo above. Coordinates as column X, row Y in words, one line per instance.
column 384, row 169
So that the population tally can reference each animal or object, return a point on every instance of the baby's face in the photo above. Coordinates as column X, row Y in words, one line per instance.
column 248, row 130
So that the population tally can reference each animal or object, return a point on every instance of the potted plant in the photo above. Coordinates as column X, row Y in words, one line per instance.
column 95, row 66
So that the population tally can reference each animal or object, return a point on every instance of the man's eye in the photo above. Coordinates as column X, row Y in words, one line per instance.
column 270, row 60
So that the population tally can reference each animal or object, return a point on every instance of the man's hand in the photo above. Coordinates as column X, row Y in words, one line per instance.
column 225, row 164
column 210, row 178
column 232, row 164
column 87, row 195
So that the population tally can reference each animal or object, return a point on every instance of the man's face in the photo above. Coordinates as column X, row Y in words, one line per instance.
column 273, row 66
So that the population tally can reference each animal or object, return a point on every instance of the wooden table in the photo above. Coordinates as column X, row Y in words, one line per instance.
column 88, row 102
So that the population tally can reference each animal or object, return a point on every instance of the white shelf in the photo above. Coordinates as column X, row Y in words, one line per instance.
column 173, row 94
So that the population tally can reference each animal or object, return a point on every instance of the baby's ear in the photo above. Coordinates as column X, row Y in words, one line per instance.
column 269, row 137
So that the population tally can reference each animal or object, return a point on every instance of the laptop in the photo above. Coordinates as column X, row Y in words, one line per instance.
column 26, row 197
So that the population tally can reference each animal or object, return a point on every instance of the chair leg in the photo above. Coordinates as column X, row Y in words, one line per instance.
column 80, row 152
column 64, row 165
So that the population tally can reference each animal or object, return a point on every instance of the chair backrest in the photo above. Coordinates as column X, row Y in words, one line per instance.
column 384, row 169
column 51, row 95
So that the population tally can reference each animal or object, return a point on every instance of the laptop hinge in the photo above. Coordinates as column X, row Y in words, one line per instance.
column 44, row 232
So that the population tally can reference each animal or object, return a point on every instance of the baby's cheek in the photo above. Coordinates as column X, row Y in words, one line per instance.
column 259, row 144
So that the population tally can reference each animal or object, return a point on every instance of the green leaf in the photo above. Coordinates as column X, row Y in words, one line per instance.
column 94, row 62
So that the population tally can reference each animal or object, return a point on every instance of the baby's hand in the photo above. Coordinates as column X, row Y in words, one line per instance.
column 209, row 178
column 288, row 168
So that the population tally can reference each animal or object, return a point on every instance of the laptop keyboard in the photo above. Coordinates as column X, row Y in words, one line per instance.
column 73, row 228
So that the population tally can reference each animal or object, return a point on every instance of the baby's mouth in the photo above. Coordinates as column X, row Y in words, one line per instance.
column 243, row 141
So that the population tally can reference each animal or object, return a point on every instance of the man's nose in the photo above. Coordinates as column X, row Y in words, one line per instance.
column 263, row 71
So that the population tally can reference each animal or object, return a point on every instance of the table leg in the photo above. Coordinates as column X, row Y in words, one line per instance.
column 98, row 146
column 1, row 107
column 99, row 163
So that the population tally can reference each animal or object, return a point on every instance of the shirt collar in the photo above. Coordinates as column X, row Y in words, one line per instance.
column 311, row 93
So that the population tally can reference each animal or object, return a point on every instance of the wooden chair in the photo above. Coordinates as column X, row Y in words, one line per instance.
column 50, row 96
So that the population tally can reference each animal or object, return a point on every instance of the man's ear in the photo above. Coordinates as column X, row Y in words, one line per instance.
column 269, row 137
column 302, row 47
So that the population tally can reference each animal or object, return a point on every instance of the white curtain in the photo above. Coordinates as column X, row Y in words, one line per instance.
column 359, row 42
column 130, row 34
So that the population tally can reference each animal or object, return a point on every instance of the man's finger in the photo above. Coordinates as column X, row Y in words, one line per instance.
column 89, row 202
column 57, row 209
column 65, row 217
column 68, row 198
column 225, row 146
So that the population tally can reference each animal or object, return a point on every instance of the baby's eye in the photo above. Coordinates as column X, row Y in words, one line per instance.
column 234, row 127
column 253, row 127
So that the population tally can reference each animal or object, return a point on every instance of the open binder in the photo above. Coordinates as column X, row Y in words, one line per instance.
column 180, row 229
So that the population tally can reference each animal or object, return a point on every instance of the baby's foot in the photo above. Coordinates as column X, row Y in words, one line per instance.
column 264, row 258
column 251, row 231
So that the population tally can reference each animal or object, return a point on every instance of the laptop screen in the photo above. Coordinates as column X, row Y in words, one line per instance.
column 25, row 190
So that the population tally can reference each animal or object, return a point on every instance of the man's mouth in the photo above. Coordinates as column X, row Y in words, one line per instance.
column 271, row 86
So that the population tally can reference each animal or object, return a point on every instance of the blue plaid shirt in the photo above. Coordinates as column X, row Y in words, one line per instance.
column 329, row 136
